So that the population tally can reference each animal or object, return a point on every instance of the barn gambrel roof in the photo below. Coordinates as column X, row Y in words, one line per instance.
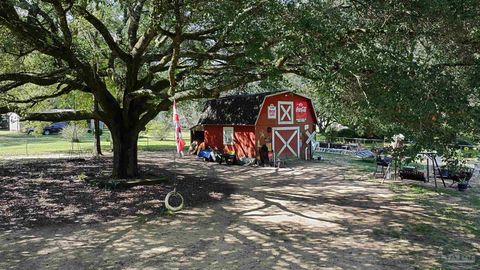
column 233, row 110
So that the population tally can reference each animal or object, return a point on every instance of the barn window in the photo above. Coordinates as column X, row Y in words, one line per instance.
column 228, row 135
column 285, row 112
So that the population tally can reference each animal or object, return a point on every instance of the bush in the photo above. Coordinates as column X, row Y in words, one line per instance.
column 332, row 134
column 347, row 133
column 37, row 126
column 74, row 133
column 158, row 129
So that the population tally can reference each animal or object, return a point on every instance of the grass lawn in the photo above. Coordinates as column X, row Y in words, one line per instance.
column 450, row 221
column 14, row 143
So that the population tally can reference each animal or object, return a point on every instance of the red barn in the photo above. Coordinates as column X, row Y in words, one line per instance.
column 283, row 121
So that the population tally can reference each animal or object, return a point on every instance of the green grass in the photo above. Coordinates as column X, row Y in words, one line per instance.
column 448, row 216
column 448, row 221
column 364, row 165
column 13, row 144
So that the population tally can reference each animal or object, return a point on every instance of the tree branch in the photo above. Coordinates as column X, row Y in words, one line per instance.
column 42, row 79
column 135, row 14
column 7, row 108
column 103, row 30
column 65, row 90
column 62, row 18
column 60, row 116
column 177, row 40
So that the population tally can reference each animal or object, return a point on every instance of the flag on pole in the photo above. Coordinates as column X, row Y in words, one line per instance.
column 178, row 130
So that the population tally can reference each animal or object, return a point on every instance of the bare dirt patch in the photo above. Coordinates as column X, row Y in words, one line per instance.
column 39, row 192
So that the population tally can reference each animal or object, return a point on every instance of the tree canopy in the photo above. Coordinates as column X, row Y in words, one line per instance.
column 411, row 66
column 135, row 57
column 413, row 69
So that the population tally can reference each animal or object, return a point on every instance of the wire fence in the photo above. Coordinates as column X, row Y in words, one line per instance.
column 21, row 144
column 347, row 143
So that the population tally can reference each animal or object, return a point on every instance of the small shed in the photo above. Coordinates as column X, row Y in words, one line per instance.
column 283, row 121
column 14, row 122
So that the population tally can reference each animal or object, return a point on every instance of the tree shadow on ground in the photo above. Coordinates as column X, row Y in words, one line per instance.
column 54, row 192
column 303, row 218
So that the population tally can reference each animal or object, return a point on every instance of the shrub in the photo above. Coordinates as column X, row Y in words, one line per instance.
column 37, row 126
column 158, row 129
column 74, row 133
column 347, row 133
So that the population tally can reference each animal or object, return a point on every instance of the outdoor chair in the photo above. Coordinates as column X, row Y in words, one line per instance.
column 382, row 165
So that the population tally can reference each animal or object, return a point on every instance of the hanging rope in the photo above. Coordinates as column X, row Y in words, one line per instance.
column 174, row 200
column 174, row 196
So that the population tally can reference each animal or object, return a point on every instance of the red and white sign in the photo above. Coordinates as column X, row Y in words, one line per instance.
column 301, row 111
column 272, row 112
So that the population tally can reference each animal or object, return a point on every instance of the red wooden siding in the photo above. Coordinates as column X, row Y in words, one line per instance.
column 249, row 139
column 244, row 139
column 285, row 142
column 264, row 126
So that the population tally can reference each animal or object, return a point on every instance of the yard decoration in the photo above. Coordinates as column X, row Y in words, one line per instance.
column 383, row 166
column 174, row 200
column 178, row 130
column 412, row 173
column 456, row 170
column 462, row 185
column 432, row 158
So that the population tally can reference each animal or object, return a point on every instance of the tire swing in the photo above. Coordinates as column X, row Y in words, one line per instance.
column 174, row 200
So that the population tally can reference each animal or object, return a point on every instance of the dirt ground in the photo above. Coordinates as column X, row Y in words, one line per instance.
column 310, row 215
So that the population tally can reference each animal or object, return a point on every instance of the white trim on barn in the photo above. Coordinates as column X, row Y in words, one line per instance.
column 286, row 142
column 285, row 110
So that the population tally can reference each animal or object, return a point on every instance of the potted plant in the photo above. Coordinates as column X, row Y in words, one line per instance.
column 457, row 170
column 462, row 184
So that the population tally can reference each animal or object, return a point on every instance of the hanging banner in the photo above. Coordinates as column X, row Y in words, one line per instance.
column 300, row 111
column 178, row 130
column 272, row 112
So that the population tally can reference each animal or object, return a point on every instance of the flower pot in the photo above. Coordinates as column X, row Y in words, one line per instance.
column 462, row 186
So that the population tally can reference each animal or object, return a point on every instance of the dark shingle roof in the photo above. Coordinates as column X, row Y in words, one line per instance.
column 233, row 110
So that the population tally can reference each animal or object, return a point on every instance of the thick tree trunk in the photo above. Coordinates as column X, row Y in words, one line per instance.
column 125, row 153
column 98, row 145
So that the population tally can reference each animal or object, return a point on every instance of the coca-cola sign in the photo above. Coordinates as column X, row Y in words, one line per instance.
column 301, row 111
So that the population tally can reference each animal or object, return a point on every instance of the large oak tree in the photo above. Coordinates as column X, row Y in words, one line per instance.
column 134, row 57
column 410, row 65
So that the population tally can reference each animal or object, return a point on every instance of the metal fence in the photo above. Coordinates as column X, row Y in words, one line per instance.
column 20, row 144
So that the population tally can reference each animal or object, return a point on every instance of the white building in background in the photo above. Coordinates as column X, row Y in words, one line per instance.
column 14, row 122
